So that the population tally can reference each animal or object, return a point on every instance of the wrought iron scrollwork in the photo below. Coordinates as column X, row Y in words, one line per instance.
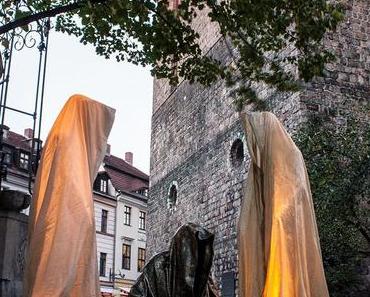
column 34, row 35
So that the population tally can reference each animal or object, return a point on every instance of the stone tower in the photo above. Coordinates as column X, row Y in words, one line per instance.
column 199, row 157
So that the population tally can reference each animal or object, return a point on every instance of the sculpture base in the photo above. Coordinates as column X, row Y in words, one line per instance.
column 13, row 239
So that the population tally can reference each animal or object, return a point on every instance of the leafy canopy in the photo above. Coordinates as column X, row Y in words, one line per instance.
column 338, row 162
column 277, row 42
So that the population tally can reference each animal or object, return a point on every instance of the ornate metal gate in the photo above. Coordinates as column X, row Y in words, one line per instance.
column 35, row 35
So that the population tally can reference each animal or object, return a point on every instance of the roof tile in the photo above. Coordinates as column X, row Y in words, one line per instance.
column 17, row 140
column 124, row 176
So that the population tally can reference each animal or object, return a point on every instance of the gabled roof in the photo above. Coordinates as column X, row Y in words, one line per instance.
column 121, row 165
column 17, row 140
column 124, row 176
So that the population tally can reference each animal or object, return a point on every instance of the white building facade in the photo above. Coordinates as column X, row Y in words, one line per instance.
column 120, row 201
column 16, row 172
column 105, row 205
column 130, row 238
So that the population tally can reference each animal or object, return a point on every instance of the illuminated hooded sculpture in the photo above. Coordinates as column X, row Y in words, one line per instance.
column 62, row 259
column 183, row 271
column 279, row 249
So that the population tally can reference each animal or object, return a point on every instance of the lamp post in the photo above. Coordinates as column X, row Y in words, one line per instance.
column 114, row 276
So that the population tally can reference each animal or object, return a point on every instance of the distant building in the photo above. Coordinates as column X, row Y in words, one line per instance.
column 105, row 205
column 130, row 238
column 17, row 160
column 120, row 200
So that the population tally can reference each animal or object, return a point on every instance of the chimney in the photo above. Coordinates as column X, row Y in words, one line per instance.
column 129, row 157
column 28, row 133
column 107, row 151
column 5, row 130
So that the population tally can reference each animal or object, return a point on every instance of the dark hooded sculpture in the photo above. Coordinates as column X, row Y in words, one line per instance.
column 183, row 271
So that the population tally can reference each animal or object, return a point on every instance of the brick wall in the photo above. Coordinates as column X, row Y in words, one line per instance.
column 193, row 129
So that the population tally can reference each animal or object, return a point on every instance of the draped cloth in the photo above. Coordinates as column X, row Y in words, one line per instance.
column 279, row 249
column 62, row 259
column 183, row 271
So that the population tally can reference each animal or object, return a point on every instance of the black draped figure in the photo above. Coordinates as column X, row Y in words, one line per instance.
column 183, row 271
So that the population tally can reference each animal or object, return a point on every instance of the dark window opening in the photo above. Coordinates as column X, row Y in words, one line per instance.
column 104, row 221
column 228, row 284
column 24, row 160
column 127, row 216
column 143, row 191
column 237, row 152
column 126, row 256
column 103, row 263
column 142, row 220
column 8, row 156
column 172, row 196
column 101, row 184
column 140, row 259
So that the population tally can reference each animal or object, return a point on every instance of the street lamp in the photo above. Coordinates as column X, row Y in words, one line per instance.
column 116, row 276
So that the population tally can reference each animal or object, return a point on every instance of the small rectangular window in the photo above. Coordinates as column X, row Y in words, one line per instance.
column 126, row 256
column 24, row 160
column 102, row 264
column 104, row 221
column 143, row 192
column 8, row 156
column 103, row 186
column 142, row 220
column 140, row 259
column 127, row 216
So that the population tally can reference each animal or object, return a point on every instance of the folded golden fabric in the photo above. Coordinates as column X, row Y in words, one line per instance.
column 61, row 258
column 279, row 249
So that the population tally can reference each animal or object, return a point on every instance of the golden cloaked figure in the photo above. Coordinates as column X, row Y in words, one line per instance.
column 279, row 248
column 61, row 259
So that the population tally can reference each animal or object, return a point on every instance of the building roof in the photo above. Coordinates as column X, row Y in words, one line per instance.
column 121, row 165
column 124, row 176
column 17, row 140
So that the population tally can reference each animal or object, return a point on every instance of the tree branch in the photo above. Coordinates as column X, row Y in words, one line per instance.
column 23, row 21
column 366, row 253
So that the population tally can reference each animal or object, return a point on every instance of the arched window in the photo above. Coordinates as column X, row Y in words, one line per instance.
column 237, row 152
column 172, row 195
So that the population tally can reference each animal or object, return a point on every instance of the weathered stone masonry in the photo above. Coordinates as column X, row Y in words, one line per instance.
column 192, row 135
column 193, row 129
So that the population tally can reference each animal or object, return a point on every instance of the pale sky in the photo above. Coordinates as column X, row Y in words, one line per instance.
column 74, row 68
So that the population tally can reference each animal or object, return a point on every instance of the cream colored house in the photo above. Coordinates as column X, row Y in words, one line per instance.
column 120, row 201
column 130, row 237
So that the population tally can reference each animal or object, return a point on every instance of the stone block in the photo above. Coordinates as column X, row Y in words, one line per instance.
column 206, row 123
column 13, row 241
